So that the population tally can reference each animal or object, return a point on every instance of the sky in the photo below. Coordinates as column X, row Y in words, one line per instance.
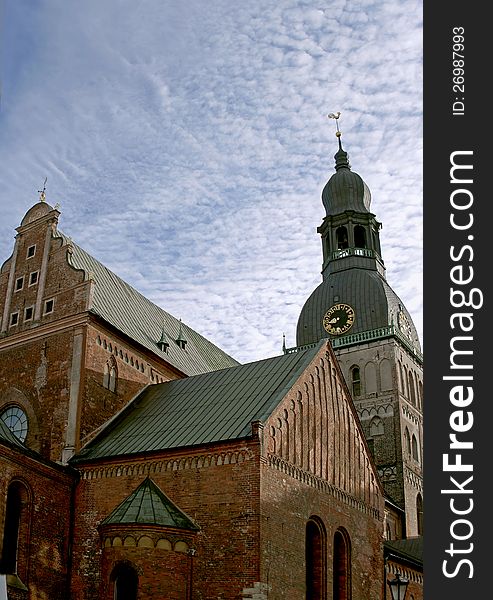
column 187, row 143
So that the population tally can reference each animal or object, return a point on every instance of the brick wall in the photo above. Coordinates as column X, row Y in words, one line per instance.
column 217, row 486
column 289, row 500
column 43, row 556
column 135, row 369
column 35, row 375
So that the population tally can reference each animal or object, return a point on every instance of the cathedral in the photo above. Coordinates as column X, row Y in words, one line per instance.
column 140, row 461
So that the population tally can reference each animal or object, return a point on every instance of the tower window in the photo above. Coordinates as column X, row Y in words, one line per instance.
column 414, row 448
column 356, row 381
column 342, row 238
column 359, row 236
column 33, row 278
column 28, row 313
column 19, row 284
column 419, row 513
column 31, row 251
column 412, row 393
column 14, row 319
column 407, row 441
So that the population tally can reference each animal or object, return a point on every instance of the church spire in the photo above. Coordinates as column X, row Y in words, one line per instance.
column 341, row 157
column 163, row 343
column 180, row 340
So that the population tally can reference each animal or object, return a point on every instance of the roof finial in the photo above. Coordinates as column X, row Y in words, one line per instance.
column 180, row 340
column 42, row 193
column 163, row 343
column 338, row 131
column 284, row 343
column 340, row 156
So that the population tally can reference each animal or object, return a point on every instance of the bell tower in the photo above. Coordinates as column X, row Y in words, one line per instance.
column 373, row 336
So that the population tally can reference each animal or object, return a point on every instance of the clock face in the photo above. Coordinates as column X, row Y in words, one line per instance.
column 338, row 319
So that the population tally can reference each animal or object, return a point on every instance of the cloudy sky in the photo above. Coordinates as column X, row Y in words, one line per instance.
column 187, row 143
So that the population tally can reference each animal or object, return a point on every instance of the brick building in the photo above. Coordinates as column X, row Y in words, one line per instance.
column 138, row 460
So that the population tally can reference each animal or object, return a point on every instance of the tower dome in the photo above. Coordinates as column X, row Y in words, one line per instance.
column 354, row 302
column 345, row 190
column 376, row 308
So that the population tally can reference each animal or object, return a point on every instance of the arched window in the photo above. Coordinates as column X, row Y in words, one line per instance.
column 359, row 237
column 110, row 375
column 414, row 448
column 356, row 381
column 315, row 543
column 125, row 581
column 16, row 420
column 402, row 380
column 342, row 238
column 385, row 375
column 112, row 381
column 407, row 441
column 412, row 393
column 16, row 530
column 106, row 376
column 370, row 378
column 419, row 513
column 342, row 566
column 376, row 241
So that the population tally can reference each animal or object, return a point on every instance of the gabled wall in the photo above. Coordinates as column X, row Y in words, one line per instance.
column 316, row 467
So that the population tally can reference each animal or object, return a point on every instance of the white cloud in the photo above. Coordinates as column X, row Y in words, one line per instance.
column 188, row 145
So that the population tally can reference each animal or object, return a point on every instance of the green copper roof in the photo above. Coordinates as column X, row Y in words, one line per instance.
column 375, row 305
column 120, row 305
column 150, row 506
column 207, row 408
column 345, row 190
column 409, row 548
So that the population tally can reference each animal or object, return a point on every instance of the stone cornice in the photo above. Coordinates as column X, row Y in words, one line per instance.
column 43, row 330
column 316, row 482
column 202, row 460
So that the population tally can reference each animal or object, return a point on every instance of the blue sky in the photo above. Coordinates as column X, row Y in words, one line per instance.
column 187, row 143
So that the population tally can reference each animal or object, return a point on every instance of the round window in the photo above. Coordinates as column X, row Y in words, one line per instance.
column 16, row 420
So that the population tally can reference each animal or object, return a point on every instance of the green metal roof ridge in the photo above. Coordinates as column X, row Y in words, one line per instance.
column 149, row 505
column 126, row 309
column 208, row 408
